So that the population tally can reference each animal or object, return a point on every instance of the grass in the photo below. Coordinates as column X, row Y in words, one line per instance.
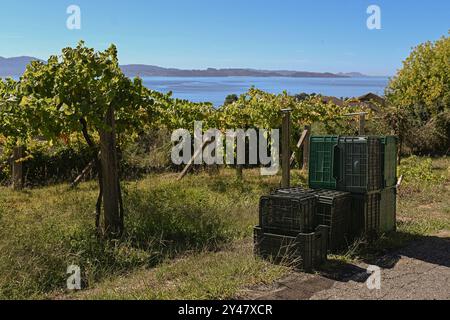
column 203, row 275
column 43, row 231
column 426, row 206
column 185, row 240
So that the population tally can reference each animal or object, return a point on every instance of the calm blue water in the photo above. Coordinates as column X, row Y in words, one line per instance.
column 215, row 90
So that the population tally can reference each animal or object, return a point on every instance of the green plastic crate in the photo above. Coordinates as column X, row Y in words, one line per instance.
column 389, row 162
column 323, row 162
column 361, row 168
column 304, row 251
column 388, row 219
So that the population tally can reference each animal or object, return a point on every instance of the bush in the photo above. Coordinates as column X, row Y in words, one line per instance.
column 179, row 219
column 150, row 153
column 45, row 166
column 418, row 172
column 63, row 163
column 55, row 166
column 420, row 98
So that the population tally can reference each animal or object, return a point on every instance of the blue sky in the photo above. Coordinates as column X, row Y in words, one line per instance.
column 320, row 35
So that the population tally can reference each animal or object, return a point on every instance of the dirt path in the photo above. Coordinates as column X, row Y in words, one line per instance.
column 419, row 271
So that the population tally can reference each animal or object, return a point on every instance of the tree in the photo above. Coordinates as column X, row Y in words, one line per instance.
column 85, row 91
column 230, row 99
column 419, row 97
column 301, row 96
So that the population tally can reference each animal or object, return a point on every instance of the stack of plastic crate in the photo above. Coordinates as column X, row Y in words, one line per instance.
column 360, row 172
column 288, row 232
column 363, row 166
column 333, row 210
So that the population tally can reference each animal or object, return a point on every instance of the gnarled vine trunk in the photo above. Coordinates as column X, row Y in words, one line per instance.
column 110, row 196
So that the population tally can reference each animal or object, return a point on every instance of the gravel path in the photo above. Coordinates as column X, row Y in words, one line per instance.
column 419, row 271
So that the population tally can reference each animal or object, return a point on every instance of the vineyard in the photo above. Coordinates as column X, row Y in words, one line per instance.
column 83, row 95
column 77, row 117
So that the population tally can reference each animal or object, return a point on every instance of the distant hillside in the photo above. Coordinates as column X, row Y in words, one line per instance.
column 154, row 71
column 14, row 67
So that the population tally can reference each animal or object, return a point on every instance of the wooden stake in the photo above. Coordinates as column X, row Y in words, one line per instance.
column 399, row 182
column 362, row 124
column 83, row 173
column 17, row 168
column 285, row 161
column 189, row 165
column 362, row 121
column 306, row 148
column 239, row 171
column 299, row 145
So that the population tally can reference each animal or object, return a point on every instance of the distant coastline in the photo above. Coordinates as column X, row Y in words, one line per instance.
column 154, row 71
column 206, row 74
column 14, row 67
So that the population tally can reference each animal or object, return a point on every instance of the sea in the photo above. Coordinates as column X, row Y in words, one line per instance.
column 216, row 89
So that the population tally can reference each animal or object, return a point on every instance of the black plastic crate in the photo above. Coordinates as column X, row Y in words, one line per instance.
column 333, row 210
column 304, row 251
column 366, row 215
column 361, row 164
column 294, row 190
column 288, row 212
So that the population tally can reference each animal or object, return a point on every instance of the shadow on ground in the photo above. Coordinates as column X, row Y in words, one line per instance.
column 434, row 250
column 431, row 249
column 339, row 278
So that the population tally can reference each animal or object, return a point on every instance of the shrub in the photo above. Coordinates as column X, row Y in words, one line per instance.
column 419, row 172
column 420, row 98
